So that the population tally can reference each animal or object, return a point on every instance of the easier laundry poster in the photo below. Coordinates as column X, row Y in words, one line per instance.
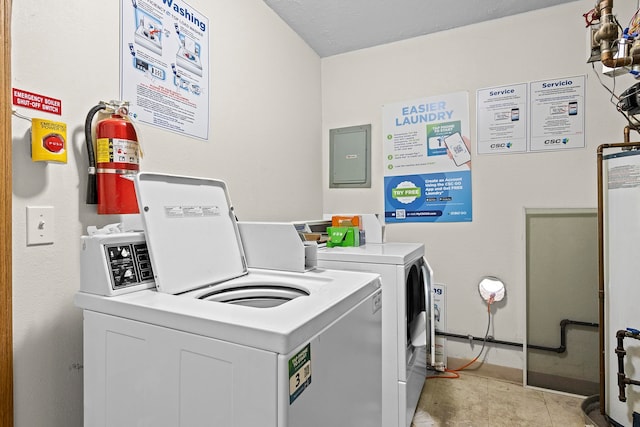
column 165, row 65
column 427, row 160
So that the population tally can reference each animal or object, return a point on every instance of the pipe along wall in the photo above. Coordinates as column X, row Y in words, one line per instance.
column 563, row 337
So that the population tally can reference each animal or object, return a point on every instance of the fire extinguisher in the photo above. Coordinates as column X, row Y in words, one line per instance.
column 114, row 161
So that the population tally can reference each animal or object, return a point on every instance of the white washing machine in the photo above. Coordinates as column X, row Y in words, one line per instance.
column 406, row 290
column 195, row 338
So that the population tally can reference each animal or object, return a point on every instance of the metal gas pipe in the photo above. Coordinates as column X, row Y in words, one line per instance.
column 623, row 380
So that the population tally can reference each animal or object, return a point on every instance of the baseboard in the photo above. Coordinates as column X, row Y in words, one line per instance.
column 513, row 375
column 564, row 384
column 535, row 379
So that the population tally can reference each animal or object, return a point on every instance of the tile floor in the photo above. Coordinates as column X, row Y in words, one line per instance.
column 477, row 401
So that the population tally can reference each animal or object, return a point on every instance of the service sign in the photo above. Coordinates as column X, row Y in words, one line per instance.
column 502, row 119
column 557, row 114
column 427, row 160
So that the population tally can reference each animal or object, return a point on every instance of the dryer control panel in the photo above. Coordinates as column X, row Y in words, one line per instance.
column 113, row 264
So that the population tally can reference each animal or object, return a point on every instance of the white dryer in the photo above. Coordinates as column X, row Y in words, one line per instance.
column 215, row 343
column 406, row 290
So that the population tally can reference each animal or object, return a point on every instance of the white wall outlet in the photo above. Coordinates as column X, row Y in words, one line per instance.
column 40, row 225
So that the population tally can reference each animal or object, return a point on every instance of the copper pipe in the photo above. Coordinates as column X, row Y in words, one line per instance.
column 601, row 281
column 608, row 32
column 601, row 295
column 606, row 57
column 605, row 7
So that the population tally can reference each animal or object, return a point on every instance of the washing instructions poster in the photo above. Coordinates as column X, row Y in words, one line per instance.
column 427, row 160
column 502, row 119
column 557, row 114
column 164, row 48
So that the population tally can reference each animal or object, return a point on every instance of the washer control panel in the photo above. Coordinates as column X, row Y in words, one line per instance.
column 129, row 264
column 116, row 263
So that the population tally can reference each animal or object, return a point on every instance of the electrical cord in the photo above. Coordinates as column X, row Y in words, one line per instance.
column 455, row 372
column 613, row 95
column 634, row 22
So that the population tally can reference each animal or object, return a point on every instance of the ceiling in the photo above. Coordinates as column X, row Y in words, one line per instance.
column 331, row 27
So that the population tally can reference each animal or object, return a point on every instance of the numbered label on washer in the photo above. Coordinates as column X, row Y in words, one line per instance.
column 299, row 373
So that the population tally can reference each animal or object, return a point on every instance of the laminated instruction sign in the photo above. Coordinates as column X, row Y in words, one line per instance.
column 557, row 114
column 427, row 160
column 165, row 65
column 502, row 119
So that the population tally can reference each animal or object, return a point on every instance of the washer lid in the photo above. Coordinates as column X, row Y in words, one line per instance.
column 191, row 231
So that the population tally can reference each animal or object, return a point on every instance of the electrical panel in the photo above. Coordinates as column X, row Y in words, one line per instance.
column 350, row 157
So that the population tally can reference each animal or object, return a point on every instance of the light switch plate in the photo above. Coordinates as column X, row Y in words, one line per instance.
column 40, row 225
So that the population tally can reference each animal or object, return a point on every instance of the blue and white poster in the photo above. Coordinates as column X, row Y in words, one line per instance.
column 427, row 160
column 164, row 70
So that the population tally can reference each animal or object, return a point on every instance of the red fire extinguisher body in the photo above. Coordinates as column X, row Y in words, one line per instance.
column 117, row 161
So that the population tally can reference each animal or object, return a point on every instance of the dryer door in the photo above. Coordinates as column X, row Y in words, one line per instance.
column 417, row 339
column 427, row 276
column 416, row 307
column 420, row 320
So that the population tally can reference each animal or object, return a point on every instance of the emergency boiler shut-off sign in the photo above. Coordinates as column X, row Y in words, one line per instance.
column 35, row 101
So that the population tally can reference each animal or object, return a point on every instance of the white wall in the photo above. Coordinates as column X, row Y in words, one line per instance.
column 265, row 124
column 545, row 44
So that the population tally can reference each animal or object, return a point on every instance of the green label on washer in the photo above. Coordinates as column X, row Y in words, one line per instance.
column 299, row 373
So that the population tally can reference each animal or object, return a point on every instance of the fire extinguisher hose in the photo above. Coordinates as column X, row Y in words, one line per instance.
column 92, row 186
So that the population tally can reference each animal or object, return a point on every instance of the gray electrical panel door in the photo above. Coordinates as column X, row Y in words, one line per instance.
column 350, row 157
